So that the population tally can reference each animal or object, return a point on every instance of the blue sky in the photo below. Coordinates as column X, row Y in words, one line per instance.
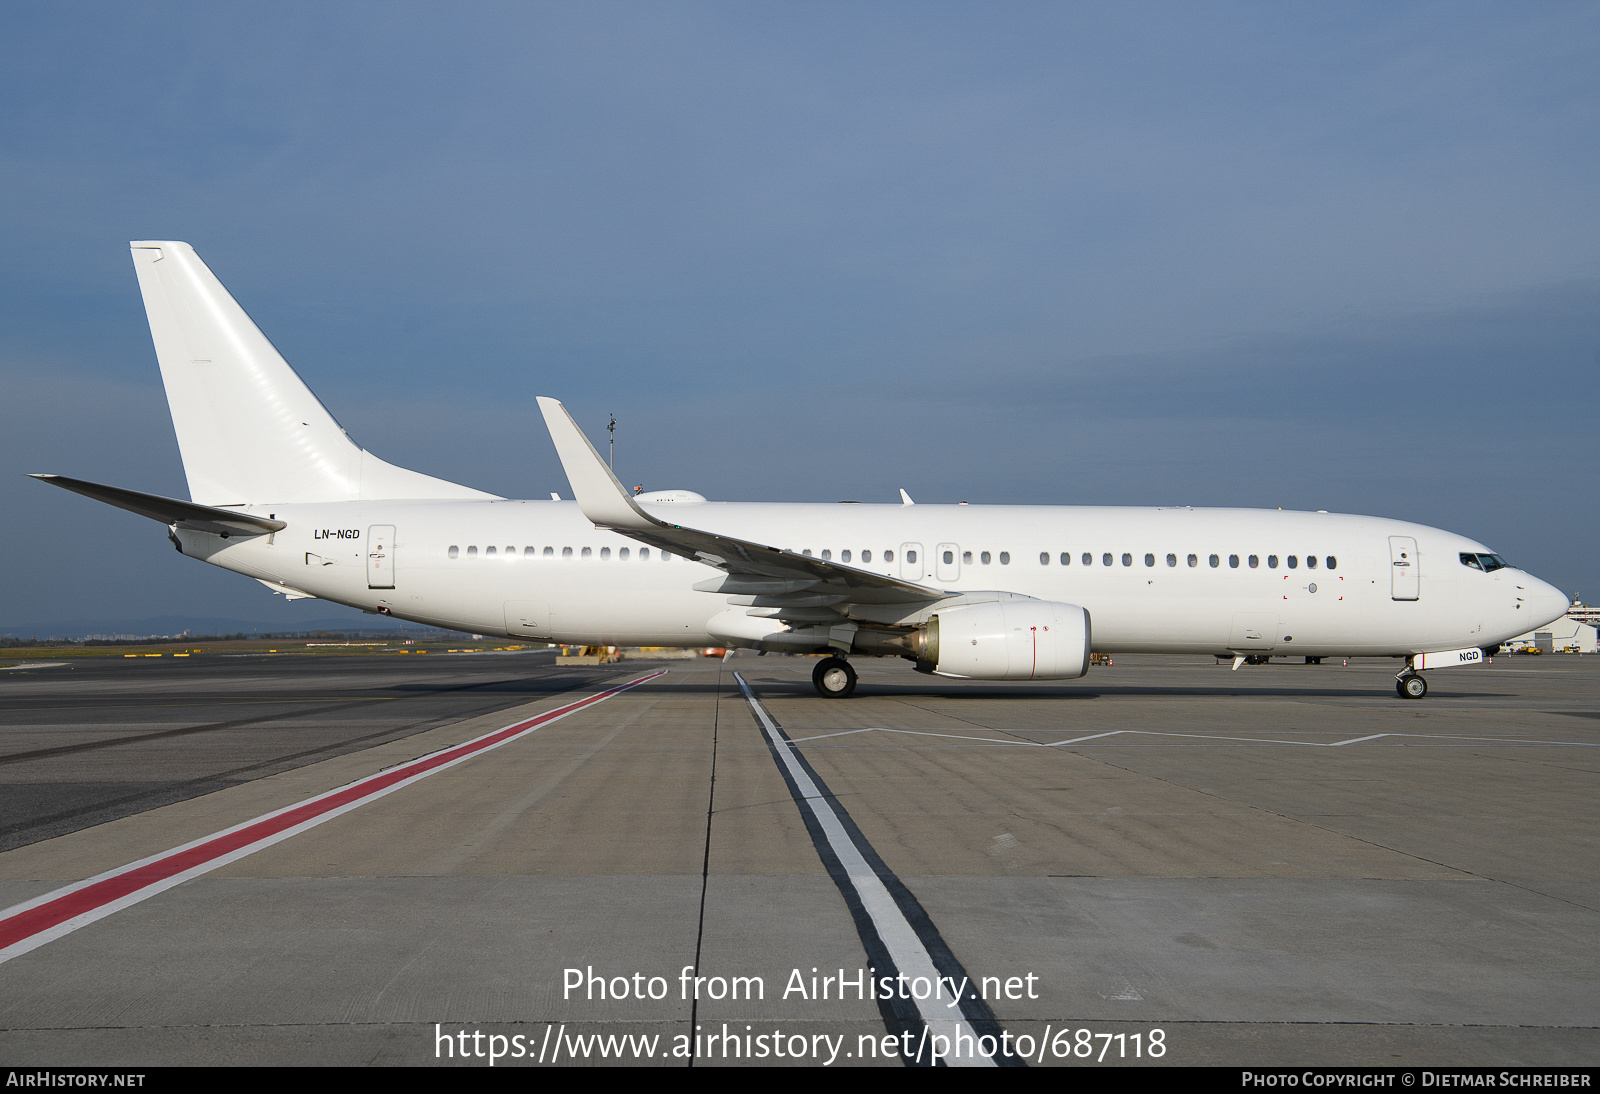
column 1315, row 256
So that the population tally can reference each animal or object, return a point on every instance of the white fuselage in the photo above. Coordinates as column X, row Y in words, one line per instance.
column 540, row 569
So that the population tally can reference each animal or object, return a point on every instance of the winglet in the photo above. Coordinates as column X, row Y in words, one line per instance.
column 601, row 497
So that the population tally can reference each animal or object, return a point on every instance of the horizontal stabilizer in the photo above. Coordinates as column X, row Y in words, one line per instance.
column 186, row 514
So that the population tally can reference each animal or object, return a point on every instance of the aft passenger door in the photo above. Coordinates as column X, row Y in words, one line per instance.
column 380, row 556
column 1404, row 575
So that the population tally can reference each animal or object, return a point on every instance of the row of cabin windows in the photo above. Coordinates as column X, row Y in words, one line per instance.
column 1214, row 561
column 566, row 552
column 947, row 557
column 866, row 556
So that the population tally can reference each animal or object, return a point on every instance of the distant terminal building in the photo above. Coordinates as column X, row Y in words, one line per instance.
column 1575, row 632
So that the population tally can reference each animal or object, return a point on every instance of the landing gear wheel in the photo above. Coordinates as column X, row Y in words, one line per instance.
column 834, row 678
column 1411, row 686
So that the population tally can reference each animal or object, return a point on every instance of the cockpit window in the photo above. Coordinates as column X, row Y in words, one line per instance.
column 1486, row 563
column 1470, row 560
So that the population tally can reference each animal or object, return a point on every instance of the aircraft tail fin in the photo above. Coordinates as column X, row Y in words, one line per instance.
column 248, row 427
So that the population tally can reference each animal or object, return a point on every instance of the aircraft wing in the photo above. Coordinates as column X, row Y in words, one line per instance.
column 798, row 588
column 201, row 518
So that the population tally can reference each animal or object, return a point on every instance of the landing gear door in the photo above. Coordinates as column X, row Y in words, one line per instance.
column 1404, row 574
column 380, row 556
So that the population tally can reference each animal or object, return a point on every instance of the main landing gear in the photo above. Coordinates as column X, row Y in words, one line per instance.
column 1409, row 685
column 834, row 678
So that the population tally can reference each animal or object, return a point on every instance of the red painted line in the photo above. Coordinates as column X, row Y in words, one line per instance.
column 123, row 883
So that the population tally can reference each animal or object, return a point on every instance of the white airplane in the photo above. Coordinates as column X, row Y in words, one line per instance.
column 280, row 493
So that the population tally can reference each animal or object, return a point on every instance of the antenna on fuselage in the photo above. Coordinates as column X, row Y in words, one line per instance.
column 612, row 429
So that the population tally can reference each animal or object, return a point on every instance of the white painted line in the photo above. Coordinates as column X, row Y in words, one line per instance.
column 846, row 733
column 901, row 940
column 1201, row 737
column 31, row 924
column 1091, row 737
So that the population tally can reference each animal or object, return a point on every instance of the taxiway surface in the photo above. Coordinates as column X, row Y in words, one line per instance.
column 1280, row 865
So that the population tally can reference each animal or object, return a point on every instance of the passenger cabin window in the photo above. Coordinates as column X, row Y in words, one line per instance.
column 1044, row 558
column 1066, row 559
column 566, row 552
column 455, row 552
column 644, row 554
column 1149, row 560
column 1311, row 561
column 866, row 556
column 844, row 556
column 827, row 556
column 488, row 552
column 1172, row 560
column 1127, row 558
column 911, row 556
column 888, row 556
column 1088, row 559
column 1105, row 559
column 588, row 552
column 622, row 554
column 1333, row 563
column 549, row 552
column 984, row 558
column 1005, row 558
column 1194, row 560
column 966, row 557
column 1233, row 562
column 1215, row 562
column 1294, row 562
column 1272, row 562
column 472, row 552
column 1255, row 561
column 605, row 554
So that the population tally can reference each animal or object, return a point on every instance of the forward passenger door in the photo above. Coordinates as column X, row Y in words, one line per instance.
column 1404, row 575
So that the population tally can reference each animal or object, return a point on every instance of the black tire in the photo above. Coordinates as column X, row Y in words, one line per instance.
column 1411, row 686
column 834, row 678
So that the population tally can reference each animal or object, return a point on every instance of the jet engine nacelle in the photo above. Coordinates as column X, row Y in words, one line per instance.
column 1009, row 640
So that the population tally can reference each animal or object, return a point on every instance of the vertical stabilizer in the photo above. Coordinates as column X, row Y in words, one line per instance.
column 248, row 427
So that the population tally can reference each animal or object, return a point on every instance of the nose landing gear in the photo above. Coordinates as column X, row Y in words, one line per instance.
column 834, row 678
column 1409, row 685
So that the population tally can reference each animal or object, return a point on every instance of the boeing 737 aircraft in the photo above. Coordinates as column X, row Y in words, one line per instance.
column 278, row 492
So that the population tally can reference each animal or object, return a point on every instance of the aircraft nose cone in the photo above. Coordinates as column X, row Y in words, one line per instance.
column 1546, row 603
